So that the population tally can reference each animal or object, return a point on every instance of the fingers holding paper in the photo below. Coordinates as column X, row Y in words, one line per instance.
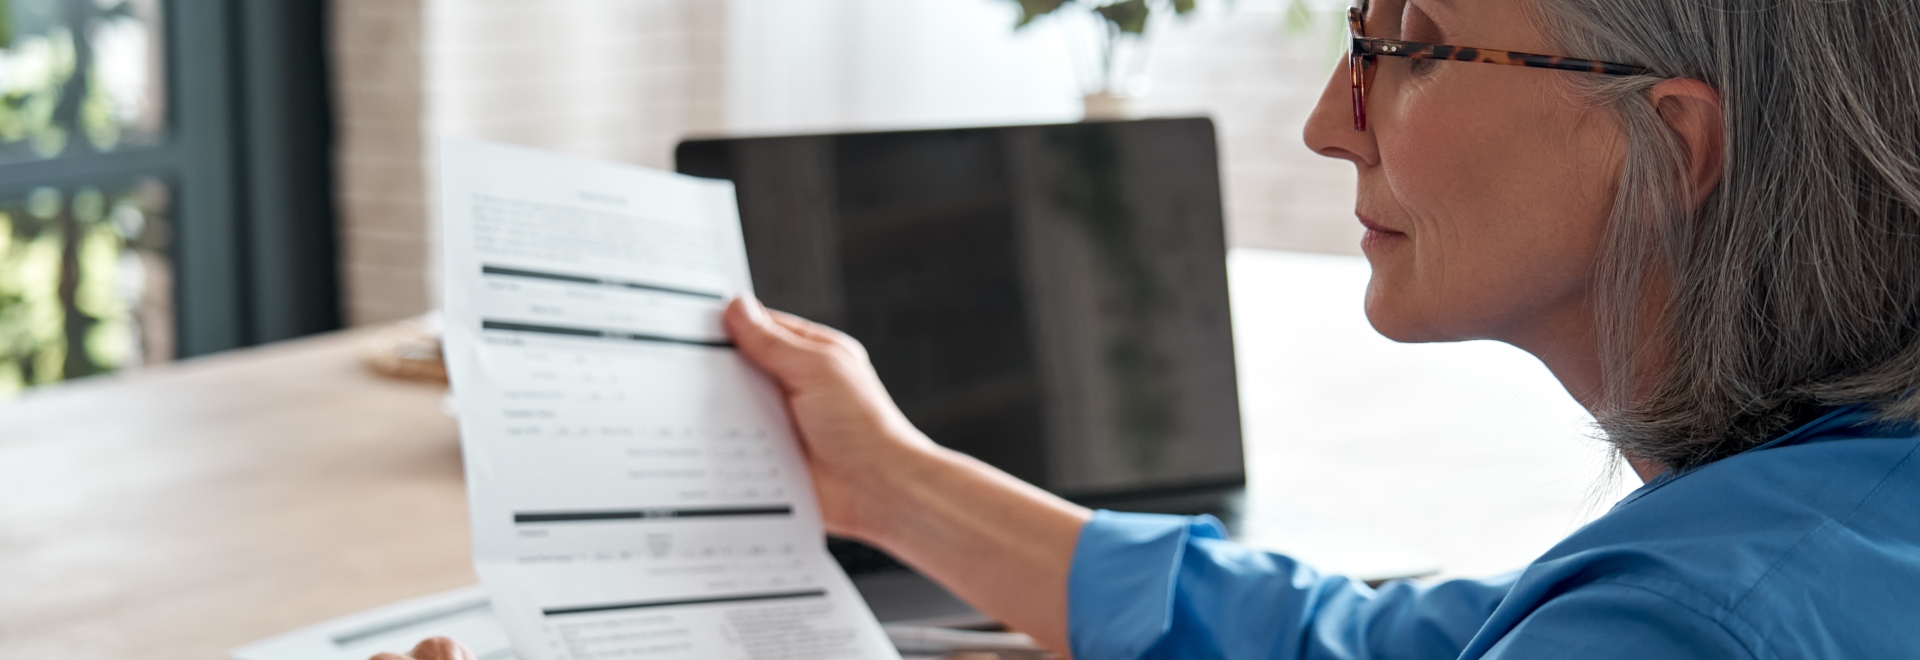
column 433, row 648
column 850, row 428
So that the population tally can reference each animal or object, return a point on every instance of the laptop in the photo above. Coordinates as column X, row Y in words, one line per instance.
column 1050, row 299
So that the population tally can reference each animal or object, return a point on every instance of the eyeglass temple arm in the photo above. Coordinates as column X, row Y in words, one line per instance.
column 1424, row 51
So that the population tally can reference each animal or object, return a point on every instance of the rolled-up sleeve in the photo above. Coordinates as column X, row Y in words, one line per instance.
column 1154, row 586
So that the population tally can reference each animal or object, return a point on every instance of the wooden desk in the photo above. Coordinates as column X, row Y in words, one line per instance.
column 186, row 510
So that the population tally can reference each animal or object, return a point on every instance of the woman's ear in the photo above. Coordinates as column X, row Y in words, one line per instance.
column 1692, row 109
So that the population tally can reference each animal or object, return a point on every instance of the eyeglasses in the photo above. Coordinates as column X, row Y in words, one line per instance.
column 1363, row 51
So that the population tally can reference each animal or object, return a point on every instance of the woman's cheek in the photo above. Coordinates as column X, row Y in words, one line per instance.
column 1456, row 274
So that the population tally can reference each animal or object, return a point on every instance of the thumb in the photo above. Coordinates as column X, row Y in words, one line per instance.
column 776, row 349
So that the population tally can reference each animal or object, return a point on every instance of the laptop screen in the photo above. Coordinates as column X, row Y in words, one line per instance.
column 1049, row 299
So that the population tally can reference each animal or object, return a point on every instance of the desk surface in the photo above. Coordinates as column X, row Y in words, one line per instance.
column 187, row 510
column 190, row 509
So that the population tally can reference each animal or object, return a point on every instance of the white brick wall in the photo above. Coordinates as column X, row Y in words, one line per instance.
column 616, row 79
column 378, row 100
column 626, row 79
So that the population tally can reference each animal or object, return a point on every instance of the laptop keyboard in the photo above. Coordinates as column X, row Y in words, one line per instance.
column 861, row 559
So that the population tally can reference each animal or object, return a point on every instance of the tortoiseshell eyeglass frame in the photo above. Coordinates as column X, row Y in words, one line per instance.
column 1363, row 50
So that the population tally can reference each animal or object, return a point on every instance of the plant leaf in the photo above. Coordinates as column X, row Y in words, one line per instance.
column 1128, row 15
column 1298, row 19
column 1182, row 6
column 1032, row 9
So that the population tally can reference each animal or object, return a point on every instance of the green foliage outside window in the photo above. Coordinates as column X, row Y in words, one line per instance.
column 87, row 283
column 78, row 67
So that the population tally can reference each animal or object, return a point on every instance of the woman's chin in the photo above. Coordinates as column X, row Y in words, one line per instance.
column 1387, row 301
column 1394, row 329
column 1392, row 314
column 1385, row 317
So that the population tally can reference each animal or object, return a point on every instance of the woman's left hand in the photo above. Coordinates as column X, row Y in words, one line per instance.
column 432, row 648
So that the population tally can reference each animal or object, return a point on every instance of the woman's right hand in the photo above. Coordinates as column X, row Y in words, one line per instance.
column 856, row 440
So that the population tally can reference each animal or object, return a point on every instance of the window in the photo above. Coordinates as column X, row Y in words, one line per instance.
column 164, row 182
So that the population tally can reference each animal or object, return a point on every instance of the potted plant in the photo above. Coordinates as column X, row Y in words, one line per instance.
column 1110, row 71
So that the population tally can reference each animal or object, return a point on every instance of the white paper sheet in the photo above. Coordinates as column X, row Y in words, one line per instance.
column 634, row 486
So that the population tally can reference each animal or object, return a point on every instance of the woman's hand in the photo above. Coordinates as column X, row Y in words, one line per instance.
column 1000, row 544
column 856, row 441
column 432, row 648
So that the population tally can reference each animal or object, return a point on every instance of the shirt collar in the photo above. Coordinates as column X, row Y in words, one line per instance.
column 1821, row 428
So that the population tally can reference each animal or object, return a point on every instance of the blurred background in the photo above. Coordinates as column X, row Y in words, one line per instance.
column 182, row 177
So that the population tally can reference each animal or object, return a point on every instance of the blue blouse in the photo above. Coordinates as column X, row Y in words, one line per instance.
column 1807, row 547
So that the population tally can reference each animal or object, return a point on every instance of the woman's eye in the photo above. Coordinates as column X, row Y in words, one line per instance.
column 1423, row 66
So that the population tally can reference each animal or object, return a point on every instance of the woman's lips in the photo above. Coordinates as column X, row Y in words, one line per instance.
column 1377, row 236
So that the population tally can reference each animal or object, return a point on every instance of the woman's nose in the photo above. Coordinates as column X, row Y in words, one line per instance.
column 1330, row 130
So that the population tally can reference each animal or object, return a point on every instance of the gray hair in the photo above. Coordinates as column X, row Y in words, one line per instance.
column 1796, row 285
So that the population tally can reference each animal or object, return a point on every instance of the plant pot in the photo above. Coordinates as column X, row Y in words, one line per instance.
column 1107, row 106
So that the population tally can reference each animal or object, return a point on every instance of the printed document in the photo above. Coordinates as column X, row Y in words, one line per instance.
column 635, row 488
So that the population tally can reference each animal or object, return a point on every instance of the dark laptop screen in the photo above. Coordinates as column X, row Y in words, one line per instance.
column 1049, row 299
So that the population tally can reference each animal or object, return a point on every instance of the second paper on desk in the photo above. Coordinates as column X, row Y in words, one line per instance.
column 634, row 485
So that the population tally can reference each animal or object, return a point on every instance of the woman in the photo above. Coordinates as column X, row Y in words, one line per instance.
column 1708, row 229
